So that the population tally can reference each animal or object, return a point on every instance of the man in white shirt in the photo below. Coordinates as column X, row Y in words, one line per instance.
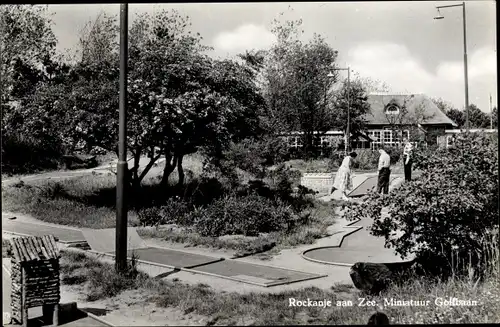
column 407, row 159
column 384, row 172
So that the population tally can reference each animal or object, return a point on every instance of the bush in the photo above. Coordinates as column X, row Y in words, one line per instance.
column 22, row 154
column 254, row 156
column 208, row 187
column 367, row 159
column 448, row 214
column 173, row 211
column 247, row 215
column 395, row 153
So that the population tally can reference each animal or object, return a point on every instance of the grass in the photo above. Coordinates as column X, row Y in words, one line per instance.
column 242, row 246
column 321, row 217
column 61, row 202
column 223, row 308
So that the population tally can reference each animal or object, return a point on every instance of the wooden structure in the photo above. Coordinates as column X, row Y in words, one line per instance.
column 35, row 278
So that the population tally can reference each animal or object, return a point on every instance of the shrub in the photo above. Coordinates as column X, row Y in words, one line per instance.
column 247, row 215
column 254, row 156
column 210, row 186
column 446, row 215
column 367, row 159
column 274, row 150
column 21, row 154
column 336, row 158
column 285, row 184
column 395, row 153
column 173, row 211
column 52, row 191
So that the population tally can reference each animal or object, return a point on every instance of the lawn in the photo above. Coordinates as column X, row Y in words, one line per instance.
column 99, row 281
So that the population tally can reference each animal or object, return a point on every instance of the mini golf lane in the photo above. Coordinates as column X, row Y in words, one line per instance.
column 355, row 247
column 235, row 270
column 63, row 235
column 104, row 239
column 368, row 185
column 170, row 258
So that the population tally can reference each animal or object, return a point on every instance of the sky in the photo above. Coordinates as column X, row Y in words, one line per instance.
column 396, row 42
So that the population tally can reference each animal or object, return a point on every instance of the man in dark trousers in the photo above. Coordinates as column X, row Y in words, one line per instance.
column 407, row 159
column 384, row 172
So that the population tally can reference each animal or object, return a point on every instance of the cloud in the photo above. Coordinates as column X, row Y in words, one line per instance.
column 244, row 37
column 395, row 65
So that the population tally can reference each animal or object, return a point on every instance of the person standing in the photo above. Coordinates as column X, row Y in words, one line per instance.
column 384, row 172
column 343, row 178
column 407, row 159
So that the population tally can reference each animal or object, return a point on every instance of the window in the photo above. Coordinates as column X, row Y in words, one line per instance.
column 387, row 136
column 375, row 135
column 392, row 110
column 406, row 134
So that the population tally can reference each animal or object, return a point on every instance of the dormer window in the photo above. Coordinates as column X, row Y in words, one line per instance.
column 392, row 109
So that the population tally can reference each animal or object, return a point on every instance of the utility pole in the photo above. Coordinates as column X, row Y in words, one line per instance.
column 122, row 167
column 491, row 113
column 466, row 74
column 348, row 128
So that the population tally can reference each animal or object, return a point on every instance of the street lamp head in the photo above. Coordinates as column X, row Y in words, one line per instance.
column 330, row 74
column 439, row 16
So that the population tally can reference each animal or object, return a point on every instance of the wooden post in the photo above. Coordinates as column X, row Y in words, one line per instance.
column 55, row 315
column 24, row 304
column 51, row 314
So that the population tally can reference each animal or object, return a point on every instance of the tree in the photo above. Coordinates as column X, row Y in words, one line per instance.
column 442, row 104
column 27, row 46
column 371, row 85
column 99, row 40
column 477, row 118
column 458, row 116
column 358, row 106
column 179, row 99
column 296, row 85
column 456, row 198
column 26, row 42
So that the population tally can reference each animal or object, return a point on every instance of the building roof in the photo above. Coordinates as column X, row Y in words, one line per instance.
column 34, row 248
column 416, row 104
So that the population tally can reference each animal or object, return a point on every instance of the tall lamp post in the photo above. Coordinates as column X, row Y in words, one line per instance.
column 121, row 168
column 348, row 129
column 466, row 75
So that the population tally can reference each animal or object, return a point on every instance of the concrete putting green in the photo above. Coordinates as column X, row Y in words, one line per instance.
column 356, row 246
column 232, row 269
column 368, row 185
column 103, row 240
column 63, row 235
